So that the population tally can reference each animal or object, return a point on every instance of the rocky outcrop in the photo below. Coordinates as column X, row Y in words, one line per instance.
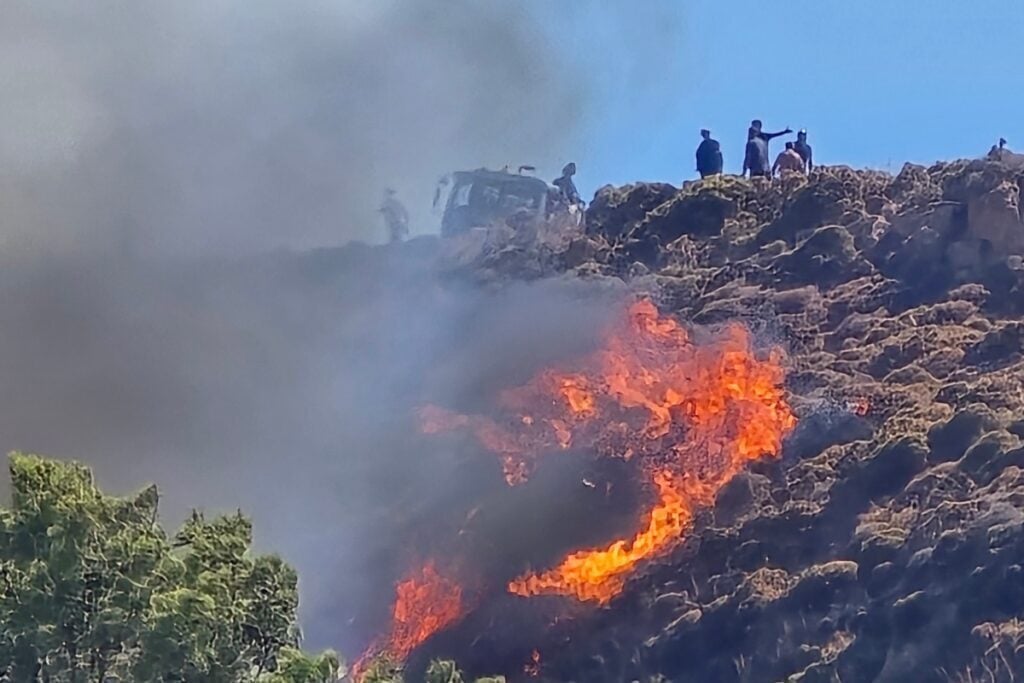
column 616, row 211
column 888, row 543
column 924, row 232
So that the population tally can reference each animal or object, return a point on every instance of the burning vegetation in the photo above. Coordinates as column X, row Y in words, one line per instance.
column 687, row 414
column 425, row 602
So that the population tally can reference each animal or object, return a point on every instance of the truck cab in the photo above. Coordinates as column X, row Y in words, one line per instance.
column 483, row 197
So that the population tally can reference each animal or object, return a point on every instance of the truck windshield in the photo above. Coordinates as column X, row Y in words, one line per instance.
column 515, row 198
column 504, row 196
column 478, row 199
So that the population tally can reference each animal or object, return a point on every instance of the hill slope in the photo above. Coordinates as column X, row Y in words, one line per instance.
column 888, row 543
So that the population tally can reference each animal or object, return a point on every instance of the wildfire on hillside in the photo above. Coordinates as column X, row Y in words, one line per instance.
column 426, row 601
column 689, row 414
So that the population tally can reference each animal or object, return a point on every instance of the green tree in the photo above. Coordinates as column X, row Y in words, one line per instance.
column 383, row 669
column 294, row 666
column 93, row 590
column 443, row 671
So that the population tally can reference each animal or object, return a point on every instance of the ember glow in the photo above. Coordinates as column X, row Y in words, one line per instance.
column 860, row 406
column 532, row 668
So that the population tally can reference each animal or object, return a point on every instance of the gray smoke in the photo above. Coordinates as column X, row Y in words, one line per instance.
column 191, row 126
column 286, row 386
column 152, row 158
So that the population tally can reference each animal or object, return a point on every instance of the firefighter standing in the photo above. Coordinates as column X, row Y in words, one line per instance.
column 396, row 218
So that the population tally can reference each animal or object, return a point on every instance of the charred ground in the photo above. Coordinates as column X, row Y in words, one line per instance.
column 887, row 543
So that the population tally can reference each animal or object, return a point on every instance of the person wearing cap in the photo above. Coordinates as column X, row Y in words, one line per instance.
column 804, row 150
column 756, row 159
column 709, row 155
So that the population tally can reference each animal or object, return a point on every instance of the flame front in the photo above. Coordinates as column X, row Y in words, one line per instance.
column 692, row 415
column 601, row 574
column 426, row 602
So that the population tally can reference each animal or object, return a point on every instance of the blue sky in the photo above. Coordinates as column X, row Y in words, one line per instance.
column 875, row 82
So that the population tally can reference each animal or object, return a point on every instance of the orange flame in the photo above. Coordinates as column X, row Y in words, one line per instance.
column 693, row 415
column 601, row 574
column 426, row 602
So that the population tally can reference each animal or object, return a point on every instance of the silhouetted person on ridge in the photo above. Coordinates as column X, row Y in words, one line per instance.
column 996, row 153
column 566, row 186
column 757, row 159
column 789, row 161
column 396, row 218
column 709, row 155
column 1004, row 155
column 756, row 129
column 804, row 150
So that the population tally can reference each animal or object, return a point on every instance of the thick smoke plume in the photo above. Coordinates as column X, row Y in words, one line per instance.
column 153, row 156
column 285, row 386
column 195, row 126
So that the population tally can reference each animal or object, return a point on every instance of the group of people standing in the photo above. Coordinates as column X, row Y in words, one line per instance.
column 796, row 158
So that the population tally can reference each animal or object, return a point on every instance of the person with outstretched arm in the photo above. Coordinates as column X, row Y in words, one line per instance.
column 757, row 126
column 757, row 160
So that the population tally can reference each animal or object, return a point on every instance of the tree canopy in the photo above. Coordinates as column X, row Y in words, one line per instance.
column 93, row 589
column 383, row 670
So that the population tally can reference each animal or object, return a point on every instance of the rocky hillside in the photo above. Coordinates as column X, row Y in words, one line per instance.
column 888, row 543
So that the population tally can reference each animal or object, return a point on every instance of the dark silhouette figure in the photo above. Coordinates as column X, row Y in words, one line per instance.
column 996, row 153
column 1003, row 154
column 804, row 150
column 566, row 186
column 757, row 160
column 396, row 218
column 709, row 155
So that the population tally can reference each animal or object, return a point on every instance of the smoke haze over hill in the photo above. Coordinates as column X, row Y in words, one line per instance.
column 220, row 126
column 152, row 155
